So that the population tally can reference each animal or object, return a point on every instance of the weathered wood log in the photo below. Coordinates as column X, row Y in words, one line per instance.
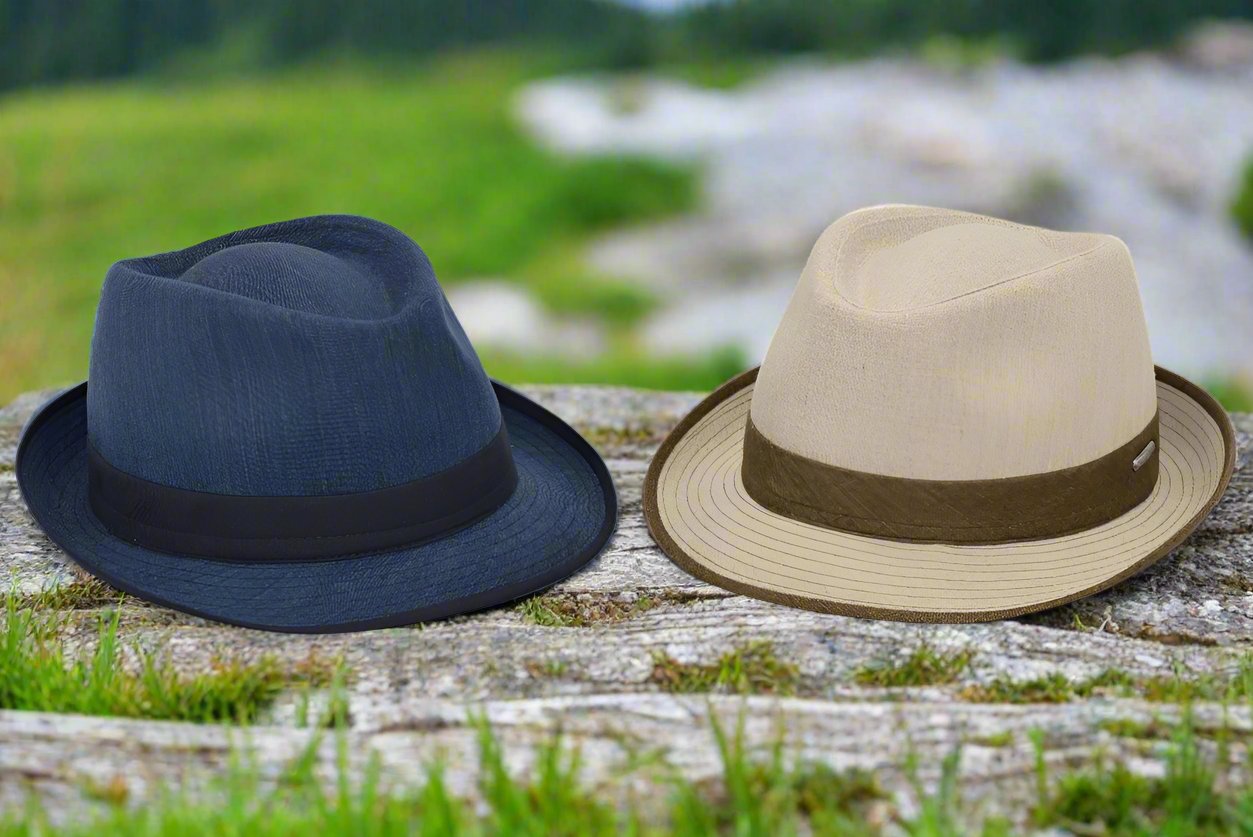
column 597, row 679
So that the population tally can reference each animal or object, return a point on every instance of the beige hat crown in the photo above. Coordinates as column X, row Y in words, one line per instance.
column 958, row 419
column 935, row 344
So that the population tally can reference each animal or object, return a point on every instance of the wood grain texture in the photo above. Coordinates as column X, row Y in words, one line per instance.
column 414, row 688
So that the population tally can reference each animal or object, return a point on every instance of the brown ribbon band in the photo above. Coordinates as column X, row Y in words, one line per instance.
column 951, row 511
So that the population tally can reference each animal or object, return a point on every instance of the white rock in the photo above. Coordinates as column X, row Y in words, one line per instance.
column 1144, row 147
column 501, row 315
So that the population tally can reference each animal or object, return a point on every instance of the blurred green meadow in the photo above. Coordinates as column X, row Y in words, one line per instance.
column 129, row 129
column 93, row 173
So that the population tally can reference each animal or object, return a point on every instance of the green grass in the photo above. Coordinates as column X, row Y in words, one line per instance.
column 80, row 594
column 555, row 611
column 95, row 173
column 925, row 666
column 1231, row 686
column 37, row 673
column 1242, row 203
column 1179, row 687
column 550, row 802
column 564, row 285
column 625, row 365
column 726, row 73
column 1190, row 798
column 1234, row 393
column 549, row 612
column 1052, row 688
column 549, row 669
column 750, row 669
column 753, row 797
column 759, row 792
column 1128, row 728
column 766, row 796
column 996, row 740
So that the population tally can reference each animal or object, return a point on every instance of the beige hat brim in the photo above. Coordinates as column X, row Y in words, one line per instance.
column 700, row 514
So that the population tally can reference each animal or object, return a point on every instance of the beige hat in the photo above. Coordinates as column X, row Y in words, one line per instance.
column 958, row 420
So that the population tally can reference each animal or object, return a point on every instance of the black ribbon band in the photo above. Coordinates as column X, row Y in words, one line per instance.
column 249, row 528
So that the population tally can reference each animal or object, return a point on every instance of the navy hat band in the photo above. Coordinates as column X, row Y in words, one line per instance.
column 300, row 528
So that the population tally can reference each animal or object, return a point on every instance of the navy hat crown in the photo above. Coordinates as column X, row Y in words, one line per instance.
column 286, row 428
column 295, row 277
column 309, row 357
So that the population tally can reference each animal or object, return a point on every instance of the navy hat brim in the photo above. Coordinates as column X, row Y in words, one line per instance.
column 560, row 516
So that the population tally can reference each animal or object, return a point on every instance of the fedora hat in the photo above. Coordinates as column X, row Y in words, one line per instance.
column 958, row 419
column 286, row 428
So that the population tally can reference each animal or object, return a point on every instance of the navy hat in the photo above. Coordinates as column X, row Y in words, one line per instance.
column 286, row 428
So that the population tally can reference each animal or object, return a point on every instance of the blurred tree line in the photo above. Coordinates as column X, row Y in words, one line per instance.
column 1039, row 30
column 56, row 40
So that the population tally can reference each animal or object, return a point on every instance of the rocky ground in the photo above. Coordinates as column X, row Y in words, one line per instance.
column 630, row 628
column 1148, row 147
